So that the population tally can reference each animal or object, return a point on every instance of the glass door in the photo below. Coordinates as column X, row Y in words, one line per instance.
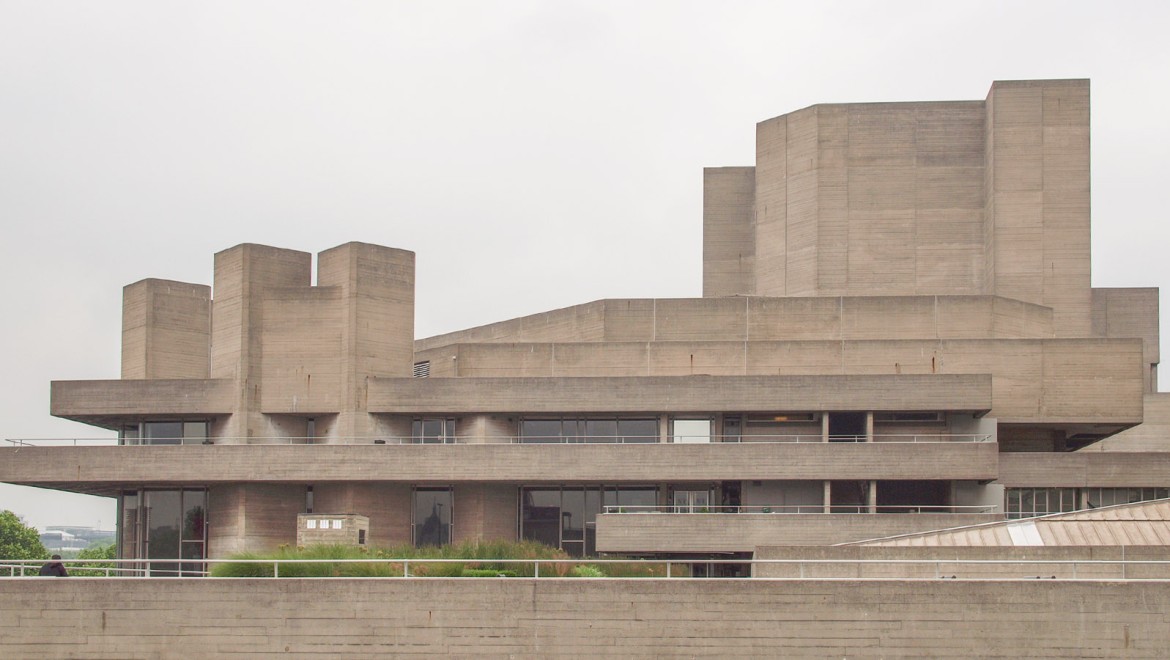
column 692, row 501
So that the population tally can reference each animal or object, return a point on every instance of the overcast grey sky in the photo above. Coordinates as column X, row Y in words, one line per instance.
column 533, row 154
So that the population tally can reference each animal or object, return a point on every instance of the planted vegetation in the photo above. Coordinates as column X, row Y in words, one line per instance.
column 477, row 560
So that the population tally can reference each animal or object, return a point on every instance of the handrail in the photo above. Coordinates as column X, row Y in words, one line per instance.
column 1074, row 569
column 805, row 509
column 537, row 440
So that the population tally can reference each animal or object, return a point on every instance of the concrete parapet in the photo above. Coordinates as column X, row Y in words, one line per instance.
column 575, row 617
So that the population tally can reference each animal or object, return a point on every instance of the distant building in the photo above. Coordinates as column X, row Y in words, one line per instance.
column 61, row 538
column 897, row 333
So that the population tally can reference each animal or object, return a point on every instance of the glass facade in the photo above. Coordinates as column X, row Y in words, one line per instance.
column 1098, row 497
column 1030, row 502
column 691, row 430
column 564, row 516
column 593, row 430
column 432, row 431
column 165, row 524
column 431, row 516
column 164, row 433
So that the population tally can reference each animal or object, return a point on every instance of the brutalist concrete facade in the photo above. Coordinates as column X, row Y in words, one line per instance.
column 897, row 333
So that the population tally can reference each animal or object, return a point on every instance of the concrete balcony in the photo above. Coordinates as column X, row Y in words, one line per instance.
column 744, row 532
column 105, row 469
column 110, row 403
column 618, row 394
column 1084, row 469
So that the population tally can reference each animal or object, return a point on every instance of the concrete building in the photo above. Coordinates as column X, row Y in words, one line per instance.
column 897, row 334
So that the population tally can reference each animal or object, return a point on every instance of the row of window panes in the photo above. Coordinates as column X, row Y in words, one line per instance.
column 1031, row 502
column 432, row 431
column 165, row 524
column 164, row 433
column 564, row 517
column 624, row 430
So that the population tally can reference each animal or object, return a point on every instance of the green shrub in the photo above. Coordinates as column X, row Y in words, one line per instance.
column 586, row 570
column 487, row 572
column 635, row 569
column 95, row 568
column 480, row 556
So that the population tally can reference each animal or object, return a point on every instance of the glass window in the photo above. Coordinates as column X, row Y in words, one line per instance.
column 540, row 515
column 432, row 516
column 540, row 430
column 692, row 430
column 433, row 431
column 601, row 430
column 637, row 430
column 166, row 525
column 129, row 435
column 162, row 433
column 1031, row 502
column 194, row 432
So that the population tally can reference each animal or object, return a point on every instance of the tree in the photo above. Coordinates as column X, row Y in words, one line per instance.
column 96, row 568
column 18, row 540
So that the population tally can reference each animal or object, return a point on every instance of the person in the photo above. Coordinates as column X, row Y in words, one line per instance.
column 54, row 568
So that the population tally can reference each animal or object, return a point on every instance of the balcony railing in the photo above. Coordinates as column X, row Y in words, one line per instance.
column 785, row 569
column 505, row 440
column 809, row 508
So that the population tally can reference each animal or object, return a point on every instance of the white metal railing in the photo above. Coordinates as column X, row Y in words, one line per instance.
column 583, row 440
column 797, row 569
column 807, row 508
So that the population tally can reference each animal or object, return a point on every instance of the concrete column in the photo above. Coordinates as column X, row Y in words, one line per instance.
column 828, row 498
column 377, row 327
column 242, row 276
column 166, row 331
column 869, row 426
column 871, row 499
column 824, row 427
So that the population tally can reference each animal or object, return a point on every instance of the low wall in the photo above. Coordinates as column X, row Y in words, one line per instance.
column 181, row 618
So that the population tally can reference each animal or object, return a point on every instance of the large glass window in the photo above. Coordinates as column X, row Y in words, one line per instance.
column 692, row 430
column 1031, row 502
column 163, row 525
column 169, row 432
column 591, row 430
column 431, row 520
column 433, row 431
column 1098, row 497
column 565, row 517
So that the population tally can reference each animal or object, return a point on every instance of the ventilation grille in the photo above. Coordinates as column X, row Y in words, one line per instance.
column 422, row 369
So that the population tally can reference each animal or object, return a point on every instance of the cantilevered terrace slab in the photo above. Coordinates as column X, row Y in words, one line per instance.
column 107, row 469
column 110, row 403
column 681, row 394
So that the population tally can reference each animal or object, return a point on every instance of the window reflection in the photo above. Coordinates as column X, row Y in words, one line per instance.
column 431, row 521
column 565, row 517
column 164, row 433
column 592, row 430
column 165, row 524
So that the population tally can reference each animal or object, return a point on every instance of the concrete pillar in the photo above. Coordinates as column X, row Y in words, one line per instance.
column 871, row 498
column 377, row 326
column 242, row 276
column 828, row 496
column 166, row 330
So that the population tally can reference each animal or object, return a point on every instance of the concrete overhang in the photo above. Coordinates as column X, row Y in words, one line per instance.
column 681, row 394
column 107, row 469
column 111, row 403
column 1084, row 469
column 649, row 533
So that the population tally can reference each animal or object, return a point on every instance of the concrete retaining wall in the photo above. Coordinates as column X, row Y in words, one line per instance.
column 161, row 618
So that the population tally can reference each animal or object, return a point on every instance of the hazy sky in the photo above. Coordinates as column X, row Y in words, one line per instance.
column 533, row 154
